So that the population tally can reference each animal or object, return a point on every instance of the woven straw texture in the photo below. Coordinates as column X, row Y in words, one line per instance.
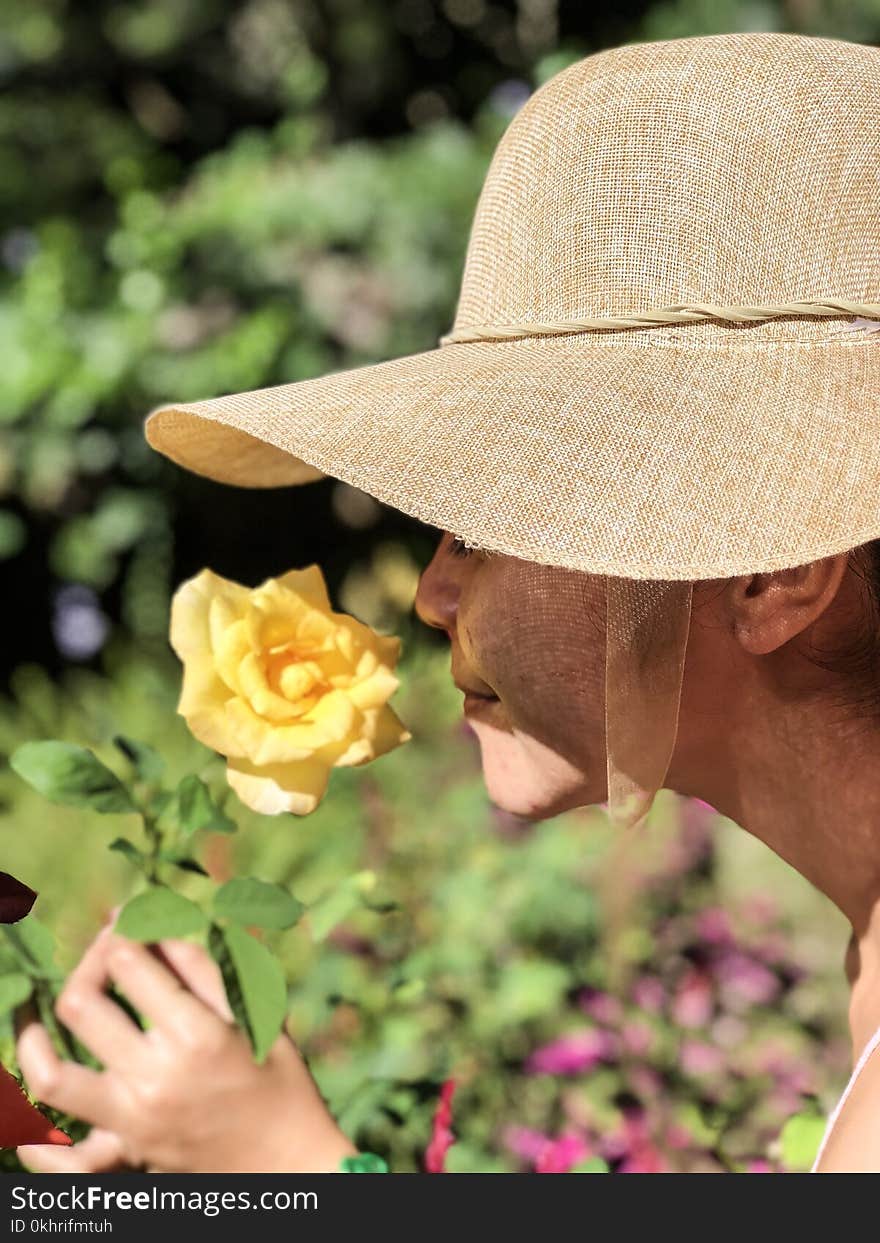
column 735, row 170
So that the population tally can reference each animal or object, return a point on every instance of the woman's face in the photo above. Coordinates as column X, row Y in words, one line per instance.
column 528, row 652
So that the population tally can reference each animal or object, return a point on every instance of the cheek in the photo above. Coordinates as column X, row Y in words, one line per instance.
column 546, row 662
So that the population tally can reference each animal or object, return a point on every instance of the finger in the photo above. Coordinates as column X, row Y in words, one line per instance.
column 197, row 970
column 158, row 993
column 100, row 1151
column 66, row 1086
column 93, row 1017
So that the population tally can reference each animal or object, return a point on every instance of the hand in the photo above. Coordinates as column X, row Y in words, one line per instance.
column 185, row 1096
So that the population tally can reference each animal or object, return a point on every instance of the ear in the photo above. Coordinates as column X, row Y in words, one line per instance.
column 769, row 609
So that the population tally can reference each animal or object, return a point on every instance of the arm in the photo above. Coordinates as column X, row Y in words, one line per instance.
column 853, row 1146
column 183, row 1096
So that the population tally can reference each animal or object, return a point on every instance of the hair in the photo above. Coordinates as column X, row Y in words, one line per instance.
column 855, row 660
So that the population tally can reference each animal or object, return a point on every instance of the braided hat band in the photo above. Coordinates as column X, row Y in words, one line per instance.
column 683, row 313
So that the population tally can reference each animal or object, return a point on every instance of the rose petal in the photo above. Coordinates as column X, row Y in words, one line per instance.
column 16, row 899
column 277, row 788
column 308, row 583
column 20, row 1121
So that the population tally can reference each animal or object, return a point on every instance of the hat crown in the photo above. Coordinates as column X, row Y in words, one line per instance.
column 731, row 169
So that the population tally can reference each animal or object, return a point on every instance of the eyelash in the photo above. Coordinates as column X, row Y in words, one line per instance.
column 458, row 548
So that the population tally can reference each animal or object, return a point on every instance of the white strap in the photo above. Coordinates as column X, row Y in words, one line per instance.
column 857, row 1070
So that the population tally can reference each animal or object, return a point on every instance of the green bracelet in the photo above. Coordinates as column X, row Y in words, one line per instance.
column 363, row 1163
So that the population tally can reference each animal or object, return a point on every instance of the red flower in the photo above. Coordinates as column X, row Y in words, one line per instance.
column 20, row 1121
column 16, row 899
column 442, row 1137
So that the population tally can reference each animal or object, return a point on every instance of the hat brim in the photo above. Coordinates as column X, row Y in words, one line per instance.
column 644, row 461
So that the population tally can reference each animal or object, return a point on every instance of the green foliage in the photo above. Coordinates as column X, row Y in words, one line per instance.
column 15, row 988
column 147, row 763
column 193, row 808
column 255, row 985
column 595, row 1165
column 65, row 773
column 800, row 1140
column 247, row 900
column 160, row 914
column 439, row 938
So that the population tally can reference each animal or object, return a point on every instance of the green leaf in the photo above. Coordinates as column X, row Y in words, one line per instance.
column 160, row 914
column 147, row 763
column 255, row 985
column 68, row 774
column 800, row 1140
column 251, row 901
column 34, row 948
column 336, row 906
column 195, row 808
column 184, row 861
column 593, row 1165
column 219, row 951
column 131, row 852
column 15, row 988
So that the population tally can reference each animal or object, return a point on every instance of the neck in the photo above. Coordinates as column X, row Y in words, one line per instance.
column 811, row 792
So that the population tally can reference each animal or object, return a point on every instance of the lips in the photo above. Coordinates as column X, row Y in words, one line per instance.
column 470, row 693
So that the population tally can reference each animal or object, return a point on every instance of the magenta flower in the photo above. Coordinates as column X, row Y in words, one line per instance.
column 560, row 1155
column 572, row 1054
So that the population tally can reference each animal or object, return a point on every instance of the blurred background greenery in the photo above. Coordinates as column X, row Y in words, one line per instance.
column 199, row 197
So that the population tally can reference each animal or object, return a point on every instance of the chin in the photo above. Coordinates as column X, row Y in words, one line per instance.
column 526, row 779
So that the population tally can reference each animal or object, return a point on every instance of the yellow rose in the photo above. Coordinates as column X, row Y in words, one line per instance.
column 281, row 685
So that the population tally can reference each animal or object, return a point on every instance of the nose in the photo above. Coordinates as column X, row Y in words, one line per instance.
column 439, row 588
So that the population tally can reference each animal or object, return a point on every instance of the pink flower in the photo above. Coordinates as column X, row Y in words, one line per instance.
column 571, row 1054
column 637, row 1038
column 442, row 1137
column 631, row 1133
column 601, row 1006
column 649, row 994
column 696, row 1057
column 678, row 1136
column 644, row 1159
column 759, row 1165
column 561, row 1154
column 526, row 1143
column 713, row 926
column 693, row 1004
column 644, row 1081
column 745, row 981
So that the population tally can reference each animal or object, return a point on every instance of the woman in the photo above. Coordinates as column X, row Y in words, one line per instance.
column 654, row 429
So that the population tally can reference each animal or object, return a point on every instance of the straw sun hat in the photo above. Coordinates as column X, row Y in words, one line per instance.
column 664, row 365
